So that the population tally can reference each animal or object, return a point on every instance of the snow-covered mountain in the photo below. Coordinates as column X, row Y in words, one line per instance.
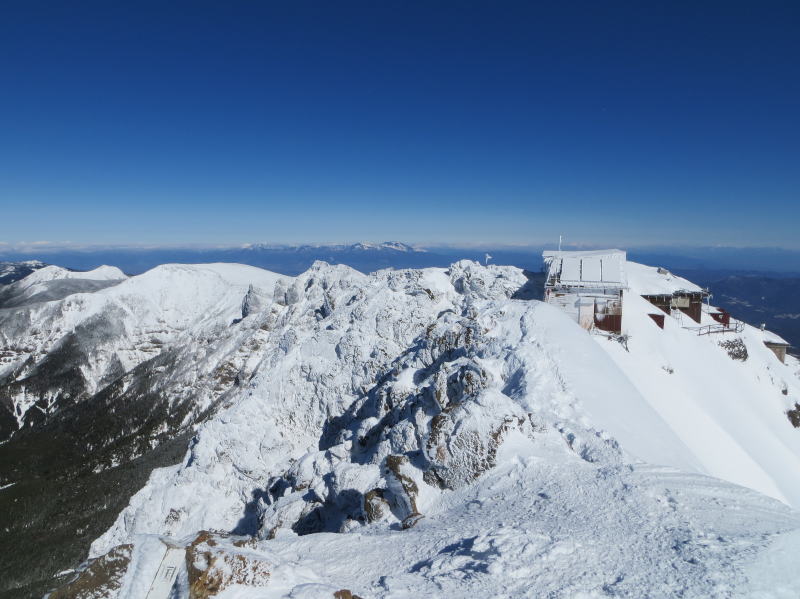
column 65, row 351
column 404, row 433
column 53, row 282
column 14, row 271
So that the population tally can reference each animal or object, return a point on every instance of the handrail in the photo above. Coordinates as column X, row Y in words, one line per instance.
column 735, row 327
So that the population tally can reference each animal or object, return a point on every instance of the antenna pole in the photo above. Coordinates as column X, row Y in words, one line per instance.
column 559, row 243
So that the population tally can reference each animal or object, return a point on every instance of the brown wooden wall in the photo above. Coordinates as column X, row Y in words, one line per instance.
column 608, row 322
column 660, row 301
column 695, row 309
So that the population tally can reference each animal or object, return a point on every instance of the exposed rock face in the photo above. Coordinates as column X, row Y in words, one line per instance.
column 794, row 416
column 101, row 579
column 433, row 415
column 401, row 484
column 375, row 506
column 254, row 301
column 212, row 566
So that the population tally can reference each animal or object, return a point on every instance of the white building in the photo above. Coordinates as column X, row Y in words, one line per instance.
column 588, row 286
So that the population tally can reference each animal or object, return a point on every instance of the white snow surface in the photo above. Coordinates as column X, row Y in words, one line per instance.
column 770, row 337
column 545, row 523
column 545, row 461
column 51, row 273
column 731, row 414
column 38, row 285
column 647, row 280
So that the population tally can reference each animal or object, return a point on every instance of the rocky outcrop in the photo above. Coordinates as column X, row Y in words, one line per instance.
column 375, row 506
column 794, row 416
column 100, row 579
column 255, row 300
column 399, row 477
column 459, row 454
column 436, row 415
column 213, row 565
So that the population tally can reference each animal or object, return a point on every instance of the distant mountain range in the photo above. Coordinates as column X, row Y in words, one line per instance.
column 369, row 257
column 758, row 285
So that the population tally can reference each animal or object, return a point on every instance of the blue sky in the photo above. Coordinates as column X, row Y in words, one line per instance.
column 432, row 122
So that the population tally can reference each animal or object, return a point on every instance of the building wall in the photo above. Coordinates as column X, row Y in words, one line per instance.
column 778, row 349
column 689, row 304
column 695, row 309
column 660, row 301
column 599, row 308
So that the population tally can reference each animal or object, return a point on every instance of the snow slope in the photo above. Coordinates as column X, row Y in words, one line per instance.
column 730, row 413
column 542, row 524
column 53, row 283
column 51, row 273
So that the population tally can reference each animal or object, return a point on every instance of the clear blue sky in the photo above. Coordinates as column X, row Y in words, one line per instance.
column 224, row 122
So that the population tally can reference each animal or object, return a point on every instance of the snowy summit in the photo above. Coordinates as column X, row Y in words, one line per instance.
column 415, row 433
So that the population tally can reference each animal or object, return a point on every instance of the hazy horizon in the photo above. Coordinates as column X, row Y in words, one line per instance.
column 47, row 246
column 294, row 258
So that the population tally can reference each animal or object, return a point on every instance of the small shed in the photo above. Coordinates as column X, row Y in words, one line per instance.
column 777, row 344
column 721, row 315
column 688, row 302
column 667, row 291
column 587, row 285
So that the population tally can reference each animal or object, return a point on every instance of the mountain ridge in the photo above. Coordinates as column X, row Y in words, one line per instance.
column 339, row 403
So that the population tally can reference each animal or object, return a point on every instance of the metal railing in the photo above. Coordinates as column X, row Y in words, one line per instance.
column 735, row 327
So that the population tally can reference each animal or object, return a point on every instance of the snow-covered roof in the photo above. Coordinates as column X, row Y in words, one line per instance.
column 649, row 280
column 770, row 337
column 586, row 268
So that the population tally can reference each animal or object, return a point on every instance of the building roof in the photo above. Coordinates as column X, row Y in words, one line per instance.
column 596, row 268
column 649, row 280
column 772, row 338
